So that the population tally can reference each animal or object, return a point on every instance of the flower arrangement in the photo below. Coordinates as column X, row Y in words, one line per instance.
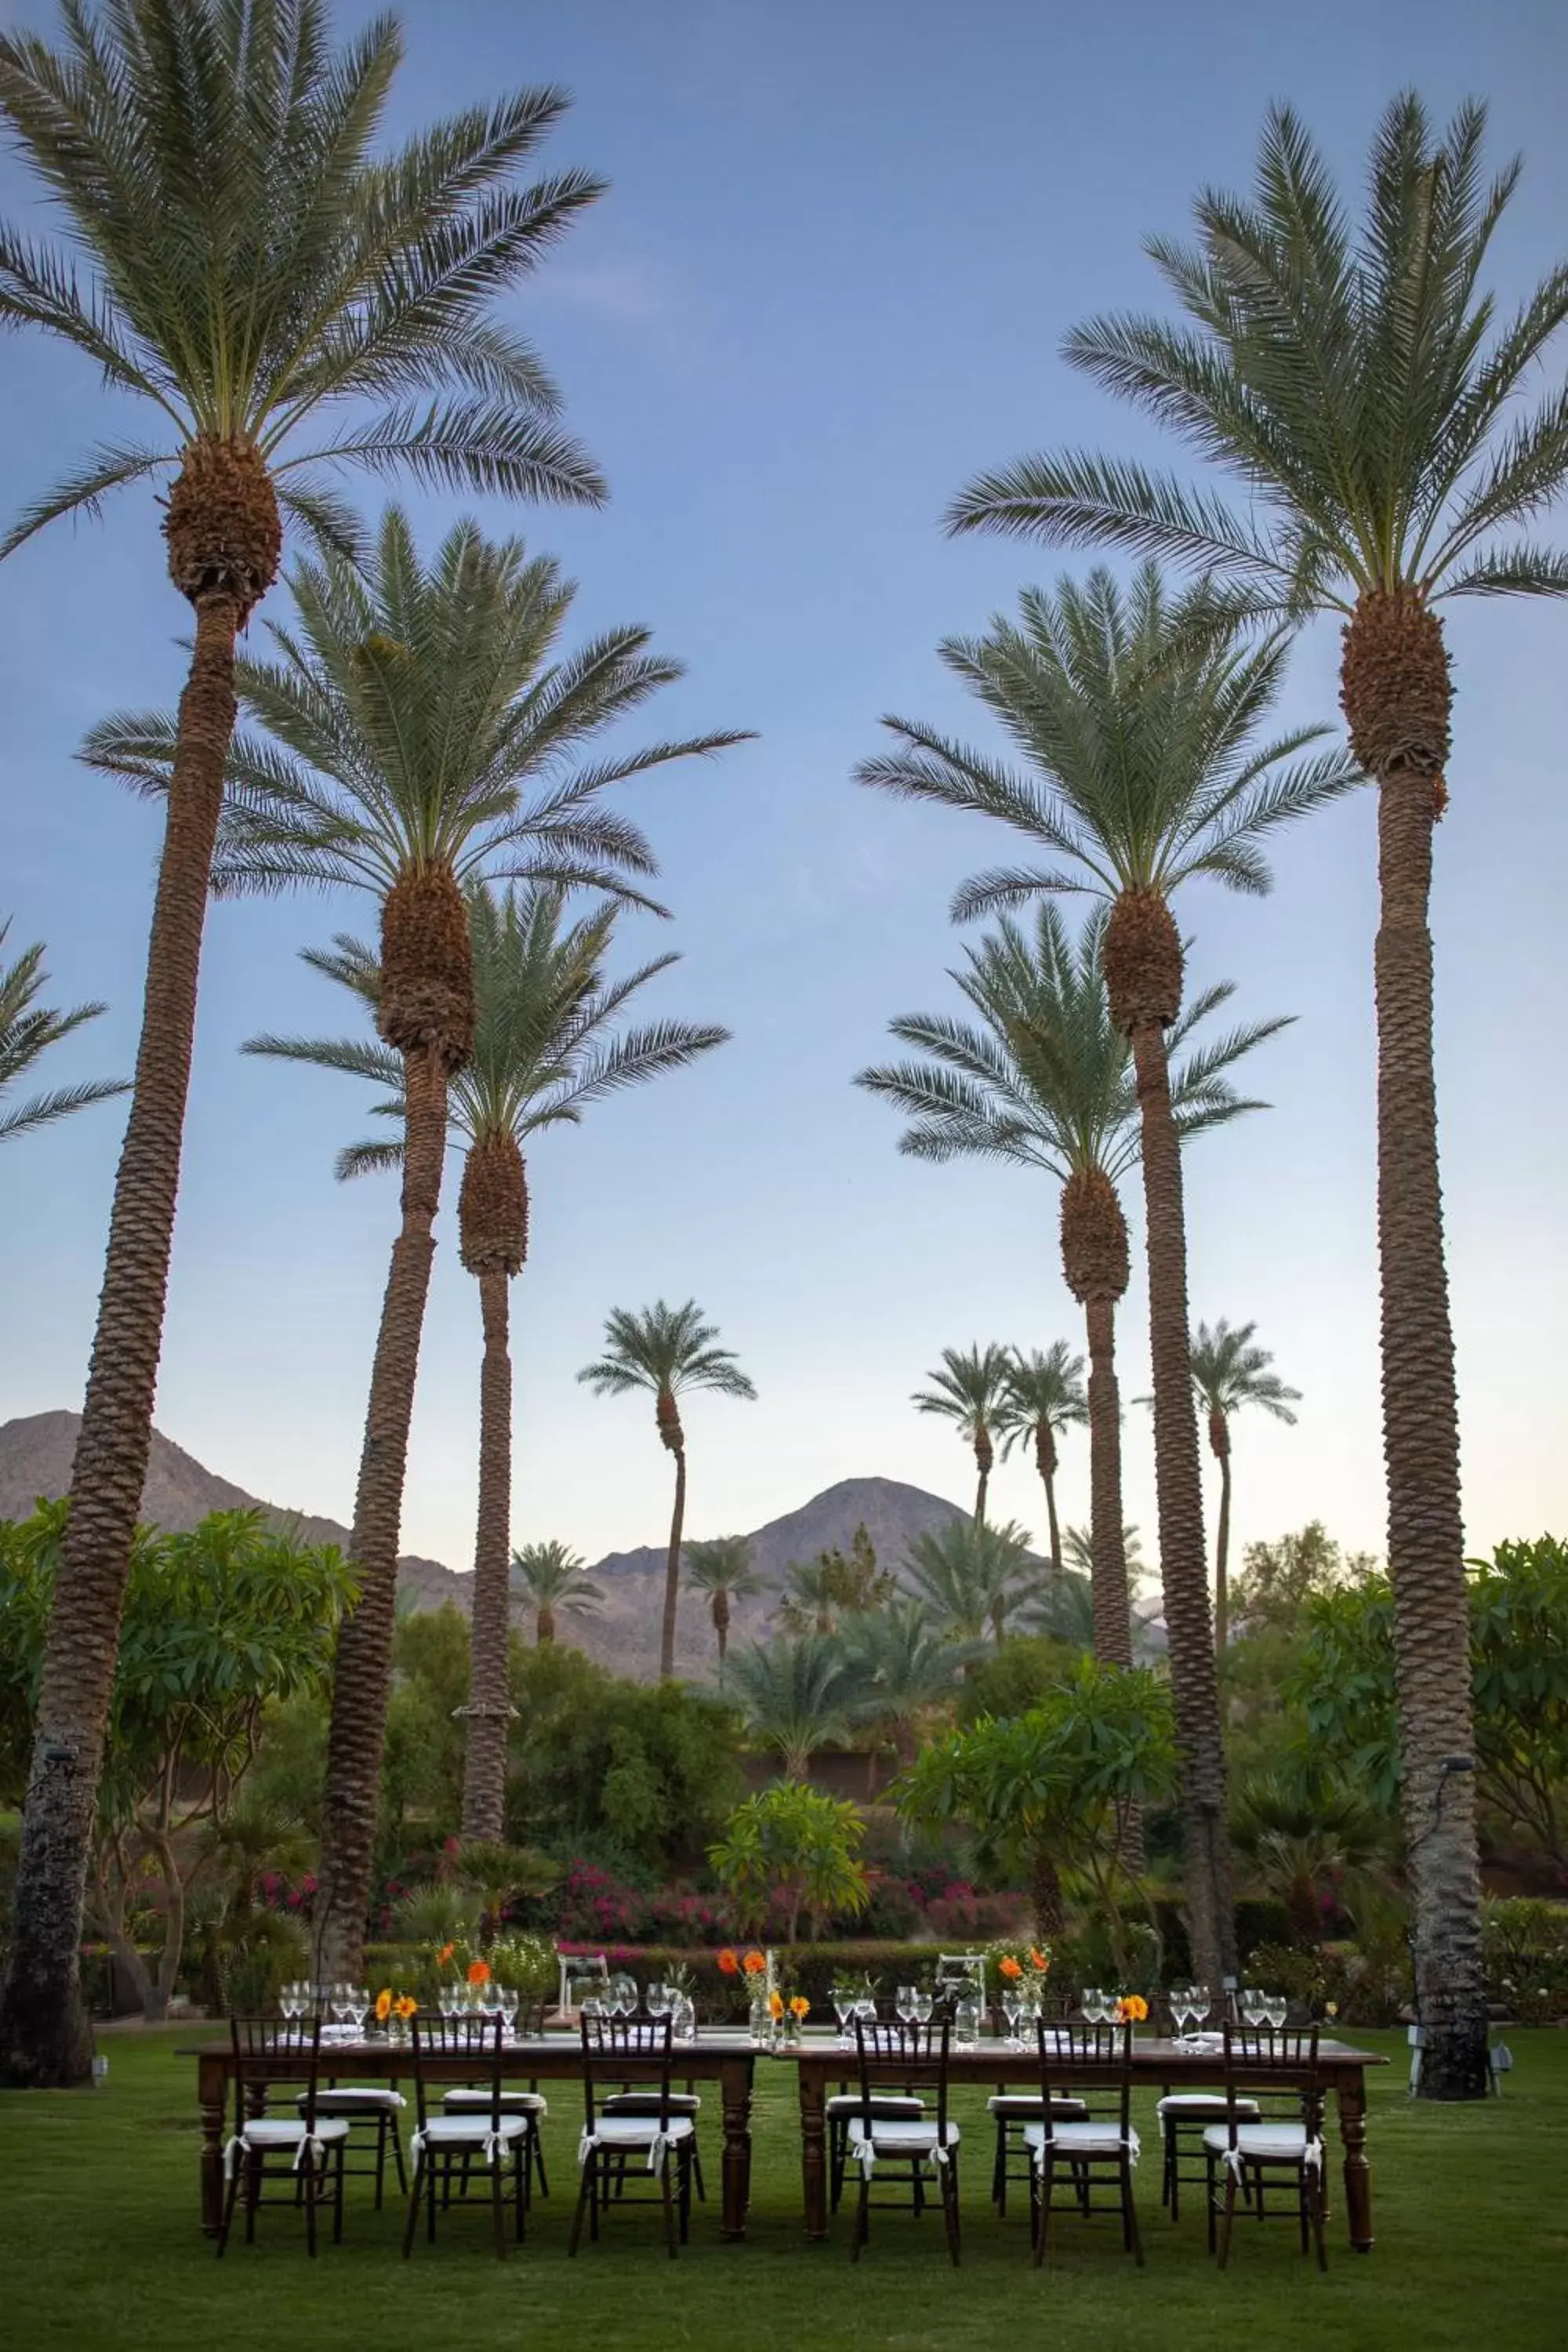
column 394, row 2009
column 799, row 2007
column 1131, row 2009
column 1010, row 1964
column 478, row 1972
column 775, row 2005
column 755, row 1964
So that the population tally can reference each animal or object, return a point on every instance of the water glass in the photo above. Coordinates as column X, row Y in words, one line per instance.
column 682, row 2017
column 1012, row 2010
column 967, row 2023
column 923, row 2006
column 1253, row 2009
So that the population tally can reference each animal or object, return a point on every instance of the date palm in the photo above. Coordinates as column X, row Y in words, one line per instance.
column 812, row 1596
column 28, row 1030
column 907, row 1667
column 664, row 1351
column 1045, row 1395
column 1042, row 1079
column 972, row 1575
column 969, row 1387
column 234, row 258
column 722, row 1570
column 1394, row 447
column 549, row 1580
column 1138, row 715
column 795, row 1694
column 545, row 1048
column 1229, row 1372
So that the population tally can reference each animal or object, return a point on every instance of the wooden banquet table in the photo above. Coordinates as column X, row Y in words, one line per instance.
column 727, row 2059
column 1156, row 2064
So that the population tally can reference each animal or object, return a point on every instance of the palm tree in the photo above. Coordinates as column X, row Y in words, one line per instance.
column 1078, row 1548
column 548, row 1578
column 1045, row 1395
column 1388, row 444
column 1139, row 715
column 1043, row 1080
column 812, row 1596
column 416, row 731
column 236, row 257
column 1229, row 1372
column 722, row 1569
column 969, row 1387
column 665, row 1350
column 28, row 1030
column 544, row 1049
column 907, row 1667
column 796, row 1693
column 972, row 1575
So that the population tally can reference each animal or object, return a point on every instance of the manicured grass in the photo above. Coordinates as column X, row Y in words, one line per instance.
column 100, row 2245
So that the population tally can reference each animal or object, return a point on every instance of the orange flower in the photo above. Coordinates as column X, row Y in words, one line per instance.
column 405, row 2006
column 382, row 2005
column 445, row 1954
column 478, row 1972
column 776, row 2005
column 800, row 2006
column 728, row 1966
column 755, row 1964
column 1131, row 2009
column 1039, row 1960
column 1009, row 1968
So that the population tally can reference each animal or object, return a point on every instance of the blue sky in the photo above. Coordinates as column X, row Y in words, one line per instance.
column 842, row 245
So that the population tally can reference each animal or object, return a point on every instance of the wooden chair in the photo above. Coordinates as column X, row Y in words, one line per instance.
column 473, row 2098
column 658, row 2129
column 266, row 2050
column 1093, row 2152
column 1249, row 2155
column 892, row 2053
column 490, row 2135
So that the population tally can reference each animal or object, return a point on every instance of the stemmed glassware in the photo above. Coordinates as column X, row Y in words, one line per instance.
column 842, row 1996
column 659, row 2000
column 1254, row 2008
column 923, row 2005
column 1093, row 2005
column 291, row 1999
column 905, row 2001
column 1012, row 2010
column 1275, row 2007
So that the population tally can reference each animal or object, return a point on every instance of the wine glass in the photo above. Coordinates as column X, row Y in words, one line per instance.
column 1012, row 2010
column 659, row 2000
column 904, row 2003
column 1252, row 2006
column 1275, row 2007
column 509, row 2007
column 842, row 1996
column 925, row 2003
column 290, row 2000
column 1092, row 2004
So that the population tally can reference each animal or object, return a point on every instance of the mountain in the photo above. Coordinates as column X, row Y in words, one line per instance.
column 36, row 1460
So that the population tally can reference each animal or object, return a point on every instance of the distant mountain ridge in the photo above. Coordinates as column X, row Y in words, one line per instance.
column 36, row 1460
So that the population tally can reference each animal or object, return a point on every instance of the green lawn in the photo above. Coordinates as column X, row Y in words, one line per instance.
column 100, row 2245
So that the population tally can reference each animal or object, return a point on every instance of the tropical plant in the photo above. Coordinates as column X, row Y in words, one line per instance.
column 549, row 1580
column 972, row 1576
column 722, row 1569
column 794, row 1848
column 820, row 1593
column 907, row 1666
column 545, row 1048
column 796, row 1694
column 1056, row 1787
column 28, row 1030
column 1389, row 445
column 1229, row 1371
column 501, row 1874
column 1309, row 1848
column 1044, row 1395
column 664, row 1351
column 234, row 257
column 1077, row 1545
column 218, row 1625
column 969, row 1387
column 1043, row 1080
column 1138, row 713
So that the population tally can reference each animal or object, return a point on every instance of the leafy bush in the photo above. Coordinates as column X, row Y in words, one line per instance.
column 792, row 1848
column 1525, row 1943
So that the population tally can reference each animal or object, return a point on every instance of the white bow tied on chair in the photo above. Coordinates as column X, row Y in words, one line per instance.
column 1312, row 2158
column 659, row 2148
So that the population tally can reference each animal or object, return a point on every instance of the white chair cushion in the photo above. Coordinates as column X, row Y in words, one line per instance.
column 1265, row 2142
column 353, row 2101
column 646, row 2103
column 512, row 2103
column 844, row 2103
column 1080, row 2139
column 638, row 2131
column 286, row 2131
column 909, row 2139
column 469, row 2131
column 1017, row 2107
column 1200, row 2107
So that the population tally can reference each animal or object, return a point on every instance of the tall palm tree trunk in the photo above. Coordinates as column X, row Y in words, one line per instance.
column 45, row 2039
column 1045, row 1463
column 1396, row 693
column 490, row 1710
column 1219, row 1438
column 672, row 1570
column 984, row 1454
column 721, row 1614
column 1107, row 1542
column 362, row 1672
column 1183, row 1560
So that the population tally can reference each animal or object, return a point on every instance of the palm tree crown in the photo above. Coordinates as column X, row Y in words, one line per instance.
column 722, row 1569
column 972, row 1575
column 664, row 1350
column 549, row 1578
column 1043, row 1392
column 28, row 1030
column 968, row 1389
column 796, row 1694
column 907, row 1666
column 1230, row 1372
column 249, row 263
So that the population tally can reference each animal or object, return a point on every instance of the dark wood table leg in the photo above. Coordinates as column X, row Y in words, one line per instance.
column 814, row 2150
column 735, row 2095
column 1350, row 2093
column 212, row 2089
